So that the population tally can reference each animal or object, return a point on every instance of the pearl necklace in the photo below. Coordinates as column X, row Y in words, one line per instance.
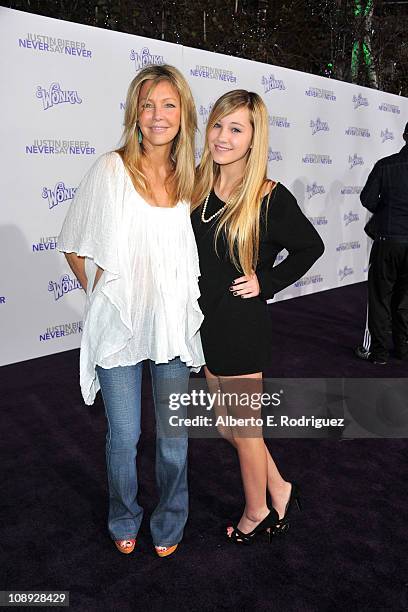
column 203, row 219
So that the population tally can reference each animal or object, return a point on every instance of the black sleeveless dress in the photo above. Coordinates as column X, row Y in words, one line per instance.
column 236, row 332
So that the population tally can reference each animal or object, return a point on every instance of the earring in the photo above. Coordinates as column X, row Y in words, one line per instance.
column 139, row 135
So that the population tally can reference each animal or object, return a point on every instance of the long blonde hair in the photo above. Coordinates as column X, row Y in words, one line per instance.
column 181, row 179
column 240, row 219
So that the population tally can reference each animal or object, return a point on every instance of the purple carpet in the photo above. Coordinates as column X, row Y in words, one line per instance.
column 346, row 551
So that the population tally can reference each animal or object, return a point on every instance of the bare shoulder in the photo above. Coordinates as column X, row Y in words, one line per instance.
column 269, row 186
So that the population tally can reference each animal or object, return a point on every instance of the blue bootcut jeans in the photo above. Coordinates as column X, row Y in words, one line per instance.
column 121, row 392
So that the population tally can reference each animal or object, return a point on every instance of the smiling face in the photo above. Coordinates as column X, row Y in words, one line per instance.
column 229, row 139
column 159, row 114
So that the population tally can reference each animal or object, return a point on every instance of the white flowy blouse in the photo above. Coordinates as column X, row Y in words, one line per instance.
column 145, row 305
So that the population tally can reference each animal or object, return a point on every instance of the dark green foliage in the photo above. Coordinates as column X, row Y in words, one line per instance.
column 311, row 35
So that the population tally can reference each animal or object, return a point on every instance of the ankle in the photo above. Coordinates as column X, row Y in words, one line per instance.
column 255, row 516
column 280, row 488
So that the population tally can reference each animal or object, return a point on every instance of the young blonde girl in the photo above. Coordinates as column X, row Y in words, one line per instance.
column 242, row 220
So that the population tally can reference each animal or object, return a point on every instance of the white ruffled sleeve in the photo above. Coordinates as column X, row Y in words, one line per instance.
column 93, row 229
column 90, row 228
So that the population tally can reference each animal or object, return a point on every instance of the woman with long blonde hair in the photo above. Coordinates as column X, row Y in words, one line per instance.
column 241, row 221
column 128, row 239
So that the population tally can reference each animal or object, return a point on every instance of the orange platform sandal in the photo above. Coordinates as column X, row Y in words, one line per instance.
column 125, row 546
column 165, row 551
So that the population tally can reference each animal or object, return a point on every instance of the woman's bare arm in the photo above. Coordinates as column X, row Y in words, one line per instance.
column 77, row 265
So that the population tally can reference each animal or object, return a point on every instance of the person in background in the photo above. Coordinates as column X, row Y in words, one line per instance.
column 385, row 194
column 242, row 220
column 128, row 239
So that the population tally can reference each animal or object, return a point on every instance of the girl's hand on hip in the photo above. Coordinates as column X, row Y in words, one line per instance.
column 246, row 286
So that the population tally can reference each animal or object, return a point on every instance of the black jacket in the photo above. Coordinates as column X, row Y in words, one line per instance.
column 386, row 194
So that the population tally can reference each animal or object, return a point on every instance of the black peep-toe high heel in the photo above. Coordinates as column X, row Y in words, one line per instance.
column 282, row 525
column 267, row 525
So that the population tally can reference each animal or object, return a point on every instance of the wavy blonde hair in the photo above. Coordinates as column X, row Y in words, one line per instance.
column 180, row 182
column 240, row 219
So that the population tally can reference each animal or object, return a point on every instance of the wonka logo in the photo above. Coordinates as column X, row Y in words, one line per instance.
column 355, row 160
column 359, row 101
column 144, row 58
column 350, row 218
column 386, row 135
column 274, row 155
column 346, row 271
column 63, row 286
column 60, row 193
column 319, row 126
column 269, row 83
column 314, row 189
column 55, row 95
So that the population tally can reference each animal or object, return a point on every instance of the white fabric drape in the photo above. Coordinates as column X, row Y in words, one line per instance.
column 145, row 304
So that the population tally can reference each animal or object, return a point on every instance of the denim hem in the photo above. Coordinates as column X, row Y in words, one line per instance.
column 167, row 545
column 127, row 537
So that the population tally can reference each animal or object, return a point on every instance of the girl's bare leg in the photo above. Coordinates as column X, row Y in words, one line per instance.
column 252, row 453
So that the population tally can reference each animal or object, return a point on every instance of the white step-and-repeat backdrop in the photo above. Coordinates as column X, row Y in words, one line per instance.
column 62, row 103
